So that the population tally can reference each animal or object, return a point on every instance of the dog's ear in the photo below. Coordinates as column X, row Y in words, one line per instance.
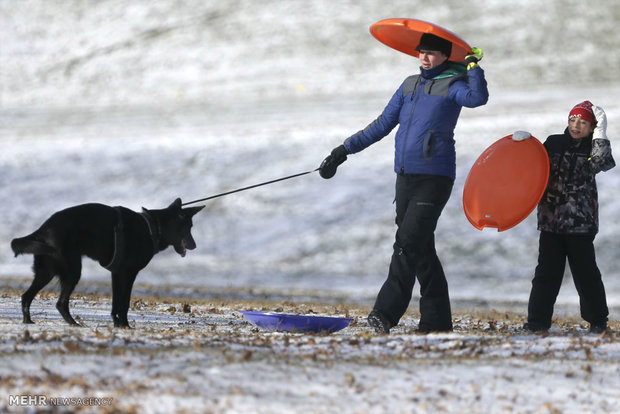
column 176, row 204
column 192, row 210
column 144, row 210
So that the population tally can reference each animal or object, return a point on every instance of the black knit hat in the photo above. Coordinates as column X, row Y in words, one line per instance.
column 429, row 41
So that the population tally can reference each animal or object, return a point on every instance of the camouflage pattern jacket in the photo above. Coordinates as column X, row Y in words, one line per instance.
column 570, row 202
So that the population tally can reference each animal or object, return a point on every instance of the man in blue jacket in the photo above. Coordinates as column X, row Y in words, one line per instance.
column 426, row 107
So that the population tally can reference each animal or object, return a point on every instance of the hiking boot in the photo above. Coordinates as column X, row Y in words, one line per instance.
column 534, row 327
column 598, row 328
column 379, row 322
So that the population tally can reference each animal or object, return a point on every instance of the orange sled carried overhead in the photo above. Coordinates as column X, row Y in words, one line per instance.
column 404, row 35
column 506, row 182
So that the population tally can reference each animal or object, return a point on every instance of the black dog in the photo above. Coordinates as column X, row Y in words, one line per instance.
column 121, row 240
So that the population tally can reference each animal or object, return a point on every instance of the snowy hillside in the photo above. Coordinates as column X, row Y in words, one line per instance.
column 136, row 103
column 113, row 52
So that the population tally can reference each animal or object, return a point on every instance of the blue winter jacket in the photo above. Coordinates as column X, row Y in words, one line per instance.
column 427, row 107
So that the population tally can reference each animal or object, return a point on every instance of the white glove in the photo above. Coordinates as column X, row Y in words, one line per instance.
column 600, row 131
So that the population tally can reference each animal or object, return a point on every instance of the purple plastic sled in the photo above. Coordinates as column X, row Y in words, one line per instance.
column 296, row 323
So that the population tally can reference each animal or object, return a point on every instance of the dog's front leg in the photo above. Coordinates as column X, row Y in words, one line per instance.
column 115, row 299
column 122, row 283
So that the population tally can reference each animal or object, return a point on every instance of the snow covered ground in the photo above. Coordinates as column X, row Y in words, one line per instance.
column 208, row 359
column 137, row 103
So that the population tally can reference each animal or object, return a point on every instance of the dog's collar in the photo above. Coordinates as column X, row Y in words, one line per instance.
column 154, row 230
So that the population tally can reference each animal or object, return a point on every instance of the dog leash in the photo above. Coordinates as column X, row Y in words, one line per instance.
column 250, row 187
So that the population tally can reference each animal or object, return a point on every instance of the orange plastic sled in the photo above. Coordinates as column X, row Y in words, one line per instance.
column 506, row 182
column 404, row 35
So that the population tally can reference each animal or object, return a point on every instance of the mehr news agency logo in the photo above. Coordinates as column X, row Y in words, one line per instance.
column 44, row 400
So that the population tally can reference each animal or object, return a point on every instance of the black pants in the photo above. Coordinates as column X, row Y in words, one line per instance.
column 553, row 251
column 420, row 200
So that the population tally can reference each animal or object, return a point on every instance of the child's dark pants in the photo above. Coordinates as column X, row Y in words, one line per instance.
column 553, row 251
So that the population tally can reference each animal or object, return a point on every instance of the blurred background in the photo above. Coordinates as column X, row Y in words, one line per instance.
column 137, row 103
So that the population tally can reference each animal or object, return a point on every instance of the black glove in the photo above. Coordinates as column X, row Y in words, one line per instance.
column 330, row 164
column 475, row 57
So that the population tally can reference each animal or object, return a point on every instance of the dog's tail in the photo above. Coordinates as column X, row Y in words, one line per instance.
column 30, row 244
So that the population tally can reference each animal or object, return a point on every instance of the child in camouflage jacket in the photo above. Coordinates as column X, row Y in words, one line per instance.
column 568, row 219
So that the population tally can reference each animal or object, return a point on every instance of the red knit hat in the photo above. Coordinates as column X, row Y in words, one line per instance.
column 583, row 110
